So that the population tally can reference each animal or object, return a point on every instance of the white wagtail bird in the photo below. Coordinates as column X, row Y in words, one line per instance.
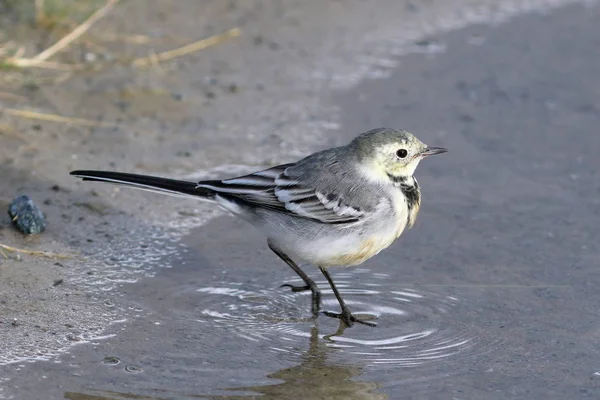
column 337, row 207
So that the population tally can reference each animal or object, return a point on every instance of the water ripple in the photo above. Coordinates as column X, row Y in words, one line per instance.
column 416, row 327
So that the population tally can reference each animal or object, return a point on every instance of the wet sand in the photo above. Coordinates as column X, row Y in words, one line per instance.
column 491, row 295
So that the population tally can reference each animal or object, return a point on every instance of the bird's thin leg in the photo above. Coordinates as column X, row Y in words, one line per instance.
column 309, row 283
column 345, row 315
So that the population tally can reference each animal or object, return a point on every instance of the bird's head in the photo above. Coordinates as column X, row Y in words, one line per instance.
column 385, row 153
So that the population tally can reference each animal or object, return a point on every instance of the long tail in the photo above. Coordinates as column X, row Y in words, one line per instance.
column 145, row 182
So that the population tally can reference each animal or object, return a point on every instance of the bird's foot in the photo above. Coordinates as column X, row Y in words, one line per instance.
column 316, row 296
column 297, row 288
column 348, row 318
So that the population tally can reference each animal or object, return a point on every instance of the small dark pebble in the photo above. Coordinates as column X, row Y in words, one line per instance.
column 411, row 7
column 58, row 282
column 110, row 360
column 56, row 188
column 466, row 118
column 26, row 216
column 123, row 105
column 133, row 368
column 424, row 43
column 32, row 87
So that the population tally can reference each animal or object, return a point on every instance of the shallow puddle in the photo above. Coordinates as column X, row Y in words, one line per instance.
column 415, row 327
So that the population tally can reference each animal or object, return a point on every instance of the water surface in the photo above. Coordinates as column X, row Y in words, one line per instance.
column 492, row 295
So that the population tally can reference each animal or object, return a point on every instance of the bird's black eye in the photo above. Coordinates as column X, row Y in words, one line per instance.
column 402, row 153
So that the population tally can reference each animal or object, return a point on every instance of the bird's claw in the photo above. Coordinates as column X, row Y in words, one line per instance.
column 296, row 289
column 316, row 296
column 348, row 318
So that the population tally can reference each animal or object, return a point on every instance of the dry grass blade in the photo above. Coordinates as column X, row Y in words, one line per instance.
column 187, row 49
column 54, row 118
column 30, row 62
column 39, row 61
column 32, row 252
column 75, row 33
column 133, row 39
column 65, row 120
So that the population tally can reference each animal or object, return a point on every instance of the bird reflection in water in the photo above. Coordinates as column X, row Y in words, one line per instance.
column 314, row 378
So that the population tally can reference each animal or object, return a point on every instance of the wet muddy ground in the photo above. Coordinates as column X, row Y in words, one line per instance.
column 492, row 295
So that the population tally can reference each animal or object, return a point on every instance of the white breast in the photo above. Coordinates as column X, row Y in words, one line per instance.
column 400, row 210
column 335, row 245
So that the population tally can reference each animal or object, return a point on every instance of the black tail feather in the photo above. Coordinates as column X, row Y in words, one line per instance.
column 147, row 182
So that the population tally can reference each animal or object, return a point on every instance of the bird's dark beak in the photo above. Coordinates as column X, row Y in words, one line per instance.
column 433, row 150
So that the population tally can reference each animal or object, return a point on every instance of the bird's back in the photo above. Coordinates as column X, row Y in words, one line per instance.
column 337, row 176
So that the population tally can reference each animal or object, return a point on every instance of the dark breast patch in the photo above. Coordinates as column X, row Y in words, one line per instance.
column 412, row 193
column 410, row 189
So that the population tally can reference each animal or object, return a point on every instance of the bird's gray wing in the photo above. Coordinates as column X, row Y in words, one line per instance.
column 293, row 189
